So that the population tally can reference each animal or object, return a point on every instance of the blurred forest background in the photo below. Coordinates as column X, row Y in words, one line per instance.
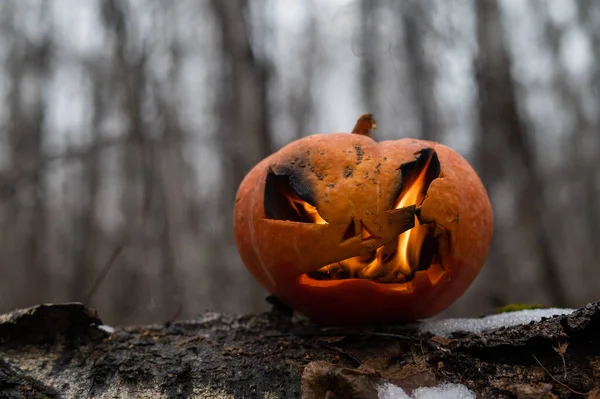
column 127, row 125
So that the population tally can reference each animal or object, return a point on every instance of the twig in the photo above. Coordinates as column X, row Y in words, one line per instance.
column 562, row 350
column 387, row 335
column 189, row 341
column 103, row 273
column 175, row 316
column 554, row 378
column 340, row 352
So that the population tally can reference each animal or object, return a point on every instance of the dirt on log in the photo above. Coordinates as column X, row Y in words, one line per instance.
column 61, row 351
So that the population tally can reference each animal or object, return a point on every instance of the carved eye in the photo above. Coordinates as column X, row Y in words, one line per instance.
column 287, row 197
column 416, row 178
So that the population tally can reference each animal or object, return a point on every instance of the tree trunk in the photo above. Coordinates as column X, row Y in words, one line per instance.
column 421, row 77
column 503, row 136
column 369, row 38
column 243, row 135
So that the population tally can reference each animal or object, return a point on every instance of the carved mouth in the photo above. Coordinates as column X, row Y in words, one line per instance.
column 386, row 264
column 414, row 250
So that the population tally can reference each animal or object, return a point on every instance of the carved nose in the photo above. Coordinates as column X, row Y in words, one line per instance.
column 394, row 223
column 364, row 233
column 357, row 228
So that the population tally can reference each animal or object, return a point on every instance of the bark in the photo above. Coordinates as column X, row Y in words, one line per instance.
column 54, row 351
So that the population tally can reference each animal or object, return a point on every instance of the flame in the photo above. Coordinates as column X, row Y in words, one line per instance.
column 307, row 209
column 410, row 242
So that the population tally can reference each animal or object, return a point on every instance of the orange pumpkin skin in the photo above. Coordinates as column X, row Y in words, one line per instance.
column 352, row 177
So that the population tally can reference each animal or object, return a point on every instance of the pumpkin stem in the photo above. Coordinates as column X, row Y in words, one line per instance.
column 365, row 125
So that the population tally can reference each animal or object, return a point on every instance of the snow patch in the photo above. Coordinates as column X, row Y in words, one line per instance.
column 446, row 327
column 443, row 391
column 391, row 391
column 106, row 328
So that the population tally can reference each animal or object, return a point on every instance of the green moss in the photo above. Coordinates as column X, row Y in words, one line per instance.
column 12, row 380
column 515, row 307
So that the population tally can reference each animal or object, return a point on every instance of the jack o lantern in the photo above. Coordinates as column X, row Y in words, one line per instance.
column 347, row 230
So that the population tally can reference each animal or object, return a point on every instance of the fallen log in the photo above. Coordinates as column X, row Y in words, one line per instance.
column 64, row 351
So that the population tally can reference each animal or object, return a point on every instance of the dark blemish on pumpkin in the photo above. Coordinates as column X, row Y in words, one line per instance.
column 359, row 153
column 385, row 158
column 456, row 219
column 307, row 152
column 348, row 171
column 314, row 170
column 378, row 168
column 331, row 185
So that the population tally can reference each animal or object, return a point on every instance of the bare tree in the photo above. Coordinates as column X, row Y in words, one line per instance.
column 243, row 130
column 421, row 74
column 503, row 136
column 369, row 40
column 586, row 138
column 85, row 249
column 301, row 102
column 129, row 67
column 29, row 65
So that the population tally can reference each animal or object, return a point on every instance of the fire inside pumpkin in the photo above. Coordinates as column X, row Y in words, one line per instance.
column 393, row 262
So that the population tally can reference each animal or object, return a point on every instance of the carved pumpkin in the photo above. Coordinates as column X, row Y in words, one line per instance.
column 348, row 230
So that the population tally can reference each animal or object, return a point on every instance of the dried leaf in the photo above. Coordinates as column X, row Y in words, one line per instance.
column 331, row 339
column 594, row 393
column 441, row 340
column 322, row 380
